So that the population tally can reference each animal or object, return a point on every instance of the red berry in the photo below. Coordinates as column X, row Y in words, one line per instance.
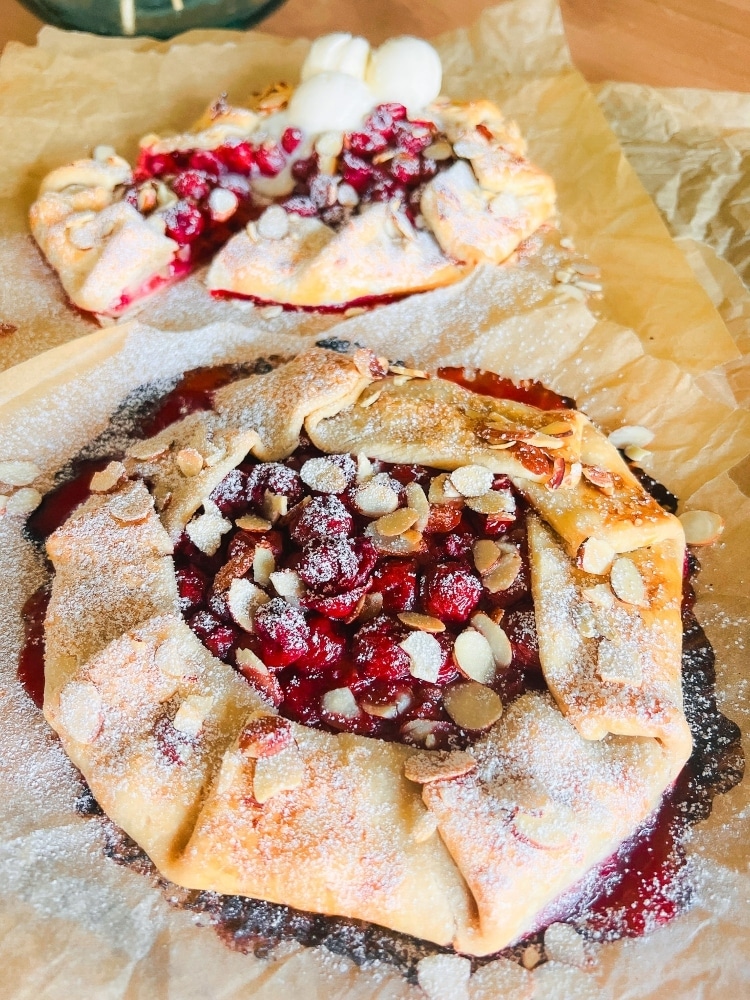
column 276, row 478
column 238, row 157
column 357, row 172
column 232, row 495
column 366, row 143
column 191, row 587
column 332, row 566
column 184, row 222
column 385, row 189
column 193, row 184
column 215, row 635
column 396, row 580
column 301, row 204
column 270, row 159
column 396, row 111
column 376, row 650
column 303, row 170
column 520, row 627
column 339, row 606
column 326, row 645
column 155, row 164
column 450, row 591
column 405, row 168
column 323, row 517
column 302, row 699
column 206, row 159
column 443, row 517
column 413, row 137
column 290, row 139
column 282, row 631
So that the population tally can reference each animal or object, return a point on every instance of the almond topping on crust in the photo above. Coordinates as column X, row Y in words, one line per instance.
column 472, row 654
column 636, row 454
column 486, row 555
column 133, row 508
column 558, row 428
column 265, row 736
column 425, row 655
column 472, row 706
column 603, row 479
column 274, row 506
column 252, row 523
column 417, row 501
column 504, row 574
column 192, row 714
column 81, row 711
column 388, row 708
column 619, row 663
column 206, row 530
column 273, row 224
column 442, row 490
column 108, row 478
column 472, row 480
column 631, row 435
column 596, row 556
column 283, row 772
column 494, row 502
column 377, row 497
column 600, row 596
column 18, row 473
column 423, row 623
column 323, row 476
column 396, row 523
column 627, row 582
column 702, row 527
column 502, row 651
column 243, row 599
column 145, row 451
column 22, row 502
column 170, row 659
column 189, row 461
column 438, row 765
column 288, row 584
column 408, row 372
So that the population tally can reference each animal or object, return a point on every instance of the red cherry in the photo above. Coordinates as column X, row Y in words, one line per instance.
column 339, row 606
column 458, row 544
column 323, row 517
column 290, row 139
column 331, row 566
column 406, row 168
column 302, row 205
column 193, row 184
column 282, row 631
column 520, row 627
column 207, row 160
column 326, row 645
column 357, row 172
column 413, row 137
column 155, row 164
column 238, row 157
column 184, row 222
column 366, row 143
column 232, row 495
column 215, row 635
column 385, row 189
column 443, row 517
column 191, row 587
column 303, row 170
column 450, row 591
column 276, row 478
column 302, row 699
column 270, row 159
column 396, row 580
column 376, row 650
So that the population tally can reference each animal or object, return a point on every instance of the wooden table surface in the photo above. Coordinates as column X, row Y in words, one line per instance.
column 672, row 43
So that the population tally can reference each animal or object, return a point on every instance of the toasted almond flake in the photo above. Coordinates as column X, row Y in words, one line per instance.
column 564, row 944
column 243, row 599
column 192, row 714
column 424, row 827
column 417, row 501
column 570, row 292
column 109, row 478
column 563, row 276
column 265, row 736
column 189, row 461
column 702, row 527
column 396, row 523
column 472, row 655
column 423, row 768
column 631, row 434
column 423, row 623
column 425, row 655
column 170, row 659
column 205, row 531
column 257, row 673
column 567, row 243
column 263, row 565
column 288, row 584
column 551, row 830
column 444, row 977
column 586, row 621
column 365, row 469
column 145, row 451
column 132, row 507
column 627, row 582
column 619, row 663
column 572, row 476
column 600, row 595
column 323, row 475
column 390, row 709
column 439, row 151
column 421, row 732
column 81, row 711
column 340, row 701
column 595, row 556
column 545, row 441
column 395, row 545
column 347, row 196
column 247, row 658
column 273, row 224
column 406, row 229
column 502, row 651
column 486, row 555
column 370, row 398
column 222, row 204
column 603, row 479
column 409, row 372
column 590, row 286
column 274, row 506
column 531, row 956
column 586, row 270
column 271, row 312
column 213, row 455
column 22, row 502
column 442, row 490
column 472, row 706
column 377, row 497
column 283, row 772
column 558, row 428
column 18, row 473
column 636, row 454
column 558, row 474
column 472, row 480
column 371, row 608
column 505, row 572
column 495, row 502
column 252, row 523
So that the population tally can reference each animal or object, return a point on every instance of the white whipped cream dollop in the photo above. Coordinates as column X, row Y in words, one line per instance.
column 343, row 80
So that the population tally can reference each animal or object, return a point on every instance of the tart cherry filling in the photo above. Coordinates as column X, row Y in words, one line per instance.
column 353, row 610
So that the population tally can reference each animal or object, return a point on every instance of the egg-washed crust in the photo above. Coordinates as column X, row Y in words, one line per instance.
column 109, row 255
column 331, row 823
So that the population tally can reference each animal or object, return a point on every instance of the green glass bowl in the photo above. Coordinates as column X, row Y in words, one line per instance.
column 157, row 18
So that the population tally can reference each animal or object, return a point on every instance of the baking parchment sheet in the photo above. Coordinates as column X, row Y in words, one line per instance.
column 73, row 923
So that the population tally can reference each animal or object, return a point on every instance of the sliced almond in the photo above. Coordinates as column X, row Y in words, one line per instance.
column 275, row 506
column 378, row 497
column 472, row 480
column 371, row 608
column 323, row 476
column 146, row 451
column 502, row 651
column 444, row 977
column 370, row 398
column 258, row 674
column 395, row 545
column 252, row 523
column 472, row 655
column 425, row 655
column 206, row 530
column 18, row 473
column 631, row 435
column 495, row 502
column 424, row 827
column 389, row 708
column 440, row 150
column 23, row 501
column 627, row 582
column 340, row 701
column 422, row 732
column 423, row 623
column 472, row 706
column 192, row 714
column 563, row 943
column 558, row 428
column 619, row 663
column 283, row 772
column 596, row 556
column 170, row 659
column 409, row 372
column 243, row 599
column 636, row 454
column 396, row 523
column 702, row 527
column 288, row 584
column 108, row 479
column 189, row 461
column 81, row 711
column 264, row 564
column 504, row 574
column 486, row 555
column 603, row 479
column 550, row 830
column 417, row 501
column 423, row 768
column 442, row 490
column 133, row 507
column 265, row 736
column 365, row 469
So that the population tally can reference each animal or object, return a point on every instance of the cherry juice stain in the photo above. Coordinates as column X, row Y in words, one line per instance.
column 642, row 886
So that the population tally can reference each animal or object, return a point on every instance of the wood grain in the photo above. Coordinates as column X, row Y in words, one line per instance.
column 672, row 43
